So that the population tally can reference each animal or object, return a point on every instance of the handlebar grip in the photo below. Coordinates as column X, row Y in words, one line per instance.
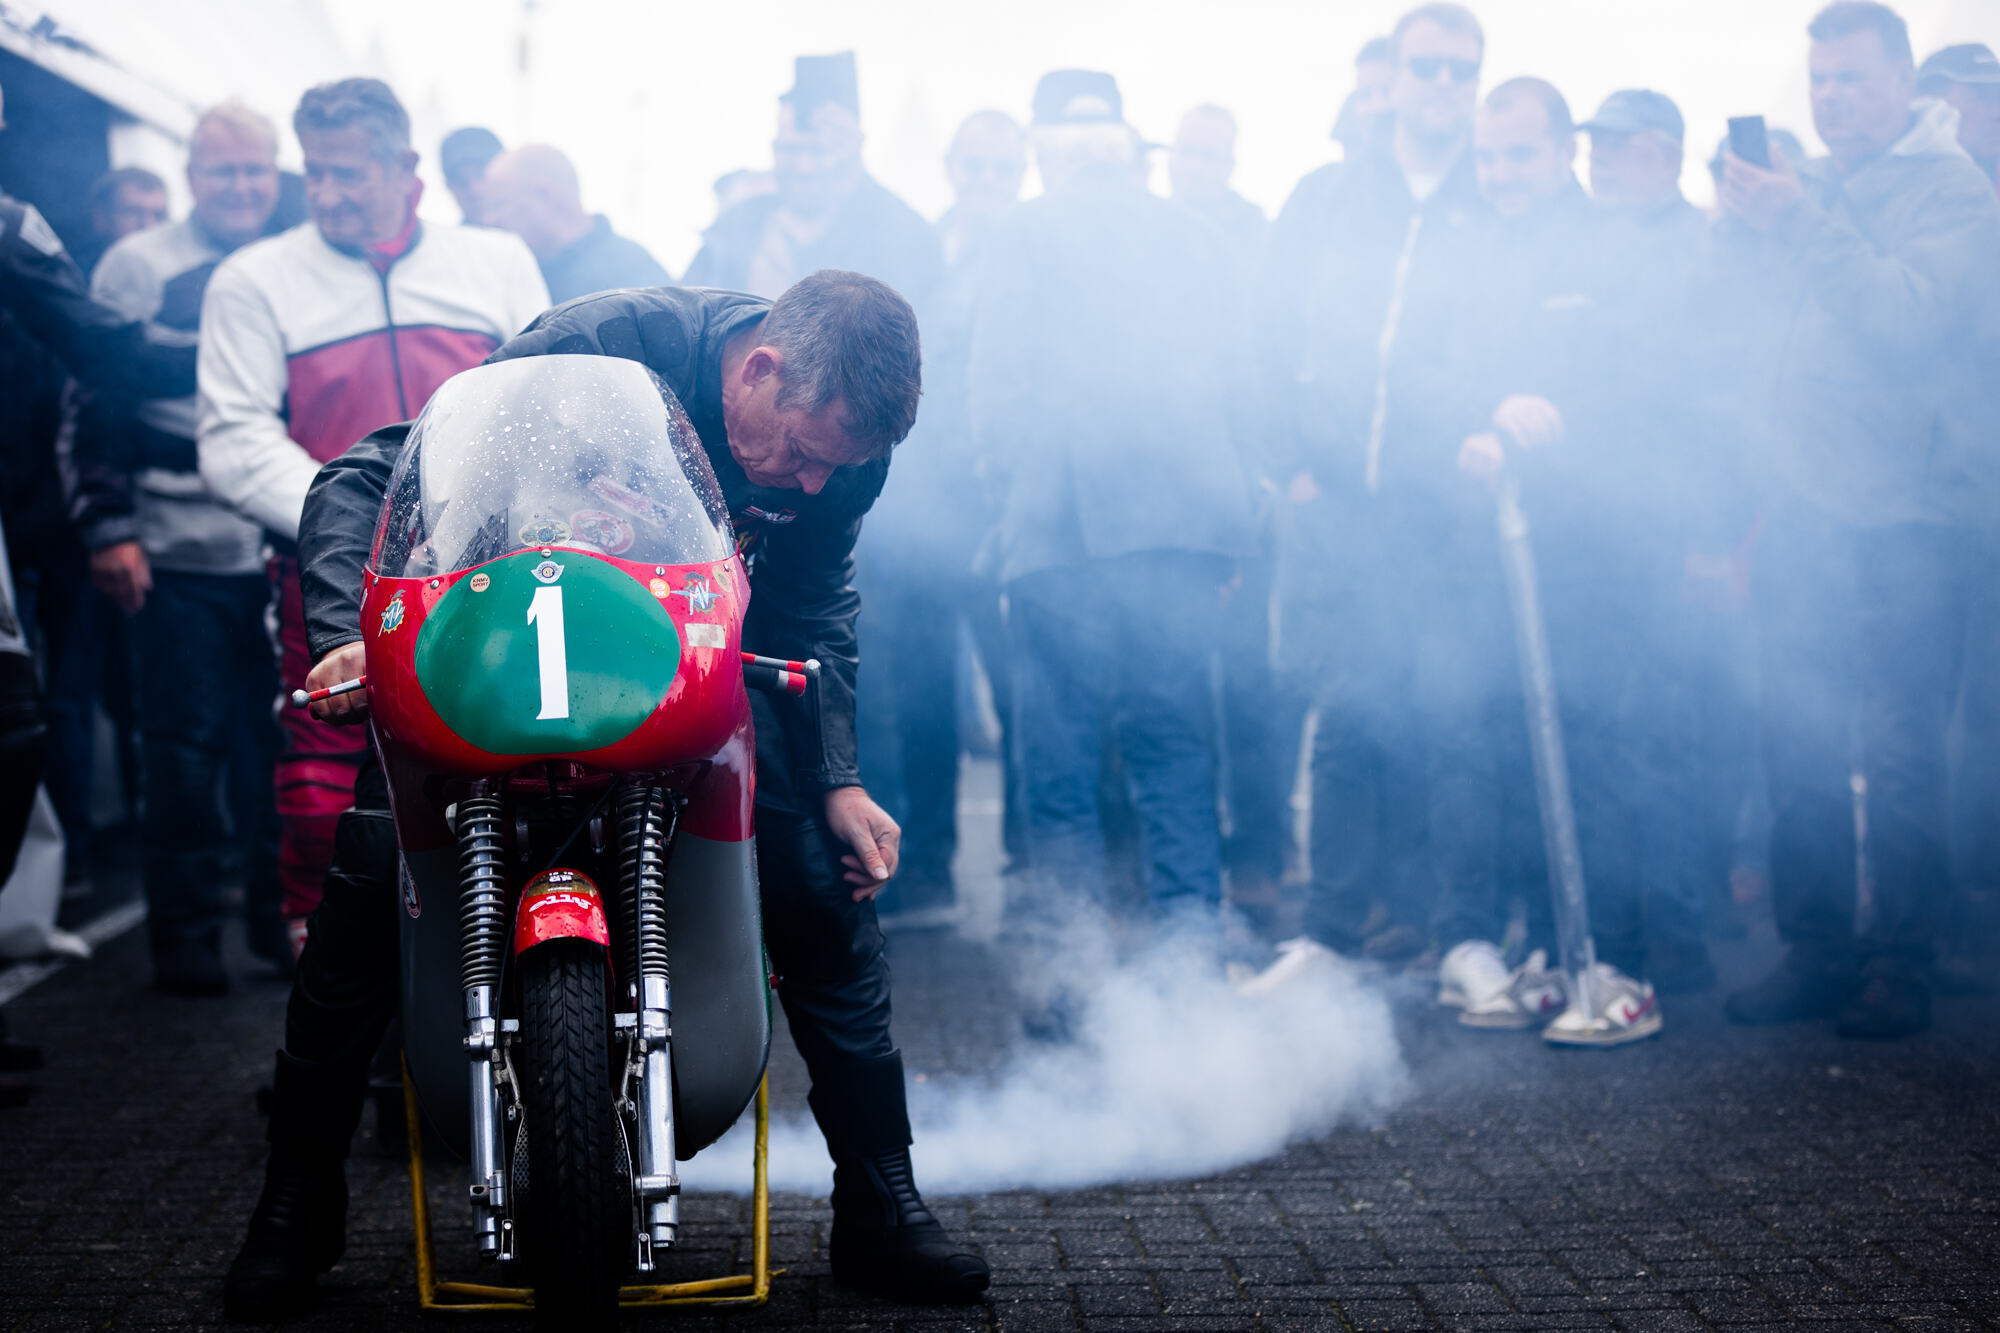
column 302, row 698
column 762, row 676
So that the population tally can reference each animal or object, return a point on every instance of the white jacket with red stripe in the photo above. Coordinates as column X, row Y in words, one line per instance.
column 306, row 348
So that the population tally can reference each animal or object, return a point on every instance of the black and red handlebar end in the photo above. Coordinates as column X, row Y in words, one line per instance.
column 778, row 675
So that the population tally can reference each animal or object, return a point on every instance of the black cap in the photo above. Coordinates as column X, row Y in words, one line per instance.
column 1632, row 110
column 819, row 81
column 469, row 149
column 1968, row 62
column 1078, row 97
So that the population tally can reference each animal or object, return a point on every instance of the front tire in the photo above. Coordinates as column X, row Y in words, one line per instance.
column 577, row 1219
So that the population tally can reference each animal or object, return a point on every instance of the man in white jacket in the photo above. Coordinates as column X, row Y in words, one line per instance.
column 311, row 340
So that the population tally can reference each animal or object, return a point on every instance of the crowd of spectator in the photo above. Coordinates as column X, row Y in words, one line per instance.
column 1194, row 489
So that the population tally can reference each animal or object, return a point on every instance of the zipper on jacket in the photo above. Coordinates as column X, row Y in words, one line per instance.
column 1392, row 320
column 395, row 356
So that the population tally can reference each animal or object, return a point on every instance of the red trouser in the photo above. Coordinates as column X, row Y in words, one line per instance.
column 316, row 763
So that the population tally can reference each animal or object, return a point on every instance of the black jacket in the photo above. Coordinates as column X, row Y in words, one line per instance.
column 41, row 286
column 799, row 547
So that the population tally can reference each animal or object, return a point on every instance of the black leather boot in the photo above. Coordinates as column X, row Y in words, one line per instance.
column 298, row 1231
column 885, row 1239
column 299, row 1227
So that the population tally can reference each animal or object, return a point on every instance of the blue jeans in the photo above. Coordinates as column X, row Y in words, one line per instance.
column 1118, row 650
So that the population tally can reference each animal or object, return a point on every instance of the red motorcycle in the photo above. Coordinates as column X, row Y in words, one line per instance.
column 553, row 615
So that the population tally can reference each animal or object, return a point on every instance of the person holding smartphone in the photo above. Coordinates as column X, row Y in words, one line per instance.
column 1882, row 475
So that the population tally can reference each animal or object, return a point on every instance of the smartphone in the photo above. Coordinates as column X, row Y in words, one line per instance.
column 1749, row 142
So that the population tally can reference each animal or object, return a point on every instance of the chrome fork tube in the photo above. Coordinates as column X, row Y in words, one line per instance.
column 646, row 828
column 483, row 925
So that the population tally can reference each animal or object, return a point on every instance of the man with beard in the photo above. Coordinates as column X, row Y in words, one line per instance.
column 1364, row 282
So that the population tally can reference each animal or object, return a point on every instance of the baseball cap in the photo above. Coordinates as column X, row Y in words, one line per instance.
column 1967, row 62
column 1078, row 97
column 1631, row 110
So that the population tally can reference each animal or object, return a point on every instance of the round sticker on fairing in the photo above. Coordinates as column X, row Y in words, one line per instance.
column 544, row 532
column 606, row 531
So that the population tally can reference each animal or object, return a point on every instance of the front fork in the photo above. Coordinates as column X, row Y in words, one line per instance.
column 647, row 818
column 484, row 932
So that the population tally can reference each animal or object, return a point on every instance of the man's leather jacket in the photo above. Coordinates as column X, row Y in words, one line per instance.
column 799, row 547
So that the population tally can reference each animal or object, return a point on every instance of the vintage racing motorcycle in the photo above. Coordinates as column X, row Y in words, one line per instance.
column 552, row 614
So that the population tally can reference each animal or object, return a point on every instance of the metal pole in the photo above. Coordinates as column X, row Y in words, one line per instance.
column 1545, row 739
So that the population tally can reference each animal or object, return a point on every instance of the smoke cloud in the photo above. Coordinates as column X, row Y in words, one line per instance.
column 1172, row 1074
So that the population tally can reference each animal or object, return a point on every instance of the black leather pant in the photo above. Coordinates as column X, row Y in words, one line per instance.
column 824, row 946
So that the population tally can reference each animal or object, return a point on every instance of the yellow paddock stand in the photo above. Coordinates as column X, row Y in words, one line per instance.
column 743, row 1289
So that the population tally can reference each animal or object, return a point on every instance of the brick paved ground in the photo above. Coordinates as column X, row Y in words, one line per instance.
column 1714, row 1178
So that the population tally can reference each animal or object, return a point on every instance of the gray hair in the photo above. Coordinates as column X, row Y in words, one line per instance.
column 368, row 103
column 851, row 339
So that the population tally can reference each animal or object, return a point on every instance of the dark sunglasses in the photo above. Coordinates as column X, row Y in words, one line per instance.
column 1427, row 68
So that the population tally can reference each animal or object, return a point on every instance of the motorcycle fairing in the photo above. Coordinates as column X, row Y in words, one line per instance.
column 654, row 678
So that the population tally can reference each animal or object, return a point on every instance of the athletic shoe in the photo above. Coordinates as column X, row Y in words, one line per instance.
column 1628, row 1011
column 1537, row 990
column 1297, row 960
column 1475, row 980
column 1472, row 969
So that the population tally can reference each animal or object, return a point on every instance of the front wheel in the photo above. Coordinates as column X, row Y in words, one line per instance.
column 577, row 1217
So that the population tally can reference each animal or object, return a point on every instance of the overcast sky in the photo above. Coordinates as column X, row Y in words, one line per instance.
column 656, row 98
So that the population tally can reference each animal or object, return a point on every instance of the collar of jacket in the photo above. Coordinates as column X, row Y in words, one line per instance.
column 1933, row 134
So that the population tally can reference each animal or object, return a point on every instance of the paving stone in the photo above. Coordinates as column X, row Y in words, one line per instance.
column 1716, row 1178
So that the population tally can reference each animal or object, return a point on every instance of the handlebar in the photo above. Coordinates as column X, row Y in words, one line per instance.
column 301, row 698
column 759, row 673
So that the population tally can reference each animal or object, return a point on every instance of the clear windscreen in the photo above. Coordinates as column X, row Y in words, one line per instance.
column 584, row 451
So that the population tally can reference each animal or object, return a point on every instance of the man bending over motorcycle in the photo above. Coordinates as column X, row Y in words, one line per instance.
column 798, row 404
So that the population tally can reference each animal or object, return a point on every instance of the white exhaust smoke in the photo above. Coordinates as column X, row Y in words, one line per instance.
column 1173, row 1074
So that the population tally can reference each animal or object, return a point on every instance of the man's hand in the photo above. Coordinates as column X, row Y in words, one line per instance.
column 1529, row 420
column 122, row 574
column 343, row 663
column 1302, row 489
column 1482, row 457
column 1760, row 199
column 877, row 840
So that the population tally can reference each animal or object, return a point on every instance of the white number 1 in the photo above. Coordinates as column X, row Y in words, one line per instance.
column 545, row 613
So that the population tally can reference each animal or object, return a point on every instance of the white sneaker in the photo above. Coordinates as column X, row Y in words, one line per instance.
column 1475, row 980
column 1628, row 1011
column 1538, row 990
column 1472, row 972
column 1297, row 959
